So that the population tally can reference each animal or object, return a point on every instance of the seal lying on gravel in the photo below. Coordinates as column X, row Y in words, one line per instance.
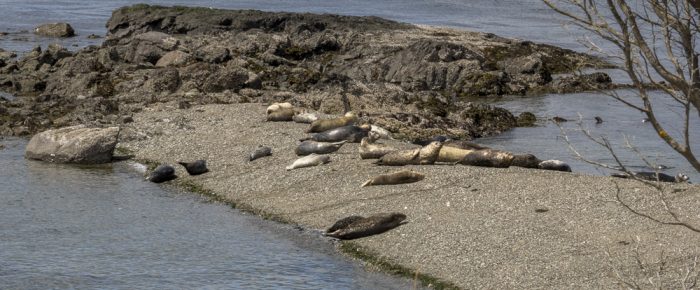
column 306, row 118
column 554, row 165
column 308, row 161
column 371, row 150
column 651, row 176
column 525, row 161
column 352, row 134
column 328, row 124
column 196, row 167
column 260, row 152
column 405, row 176
column 488, row 158
column 344, row 223
column 162, row 173
column 280, row 112
column 381, row 132
column 308, row 147
column 372, row 225
column 419, row 156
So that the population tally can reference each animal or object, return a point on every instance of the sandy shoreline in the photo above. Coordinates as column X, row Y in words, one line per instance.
column 472, row 227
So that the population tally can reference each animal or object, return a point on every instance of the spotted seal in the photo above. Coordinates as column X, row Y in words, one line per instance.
column 652, row 176
column 327, row 124
column 554, row 165
column 280, row 112
column 419, row 156
column 196, row 167
column 162, row 173
column 372, row 225
column 488, row 158
column 308, row 161
column 351, row 133
column 306, row 118
column 309, row 146
column 525, row 161
column 369, row 149
column 404, row 176
column 260, row 152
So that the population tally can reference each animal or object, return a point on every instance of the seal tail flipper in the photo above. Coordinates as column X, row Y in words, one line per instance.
column 367, row 183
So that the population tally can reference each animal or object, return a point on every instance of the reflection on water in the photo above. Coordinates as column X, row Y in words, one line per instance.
column 104, row 227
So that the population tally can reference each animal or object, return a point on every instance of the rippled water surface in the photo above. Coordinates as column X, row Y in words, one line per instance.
column 104, row 227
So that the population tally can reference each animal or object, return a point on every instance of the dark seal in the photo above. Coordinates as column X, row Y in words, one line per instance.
column 196, row 167
column 651, row 176
column 351, row 133
column 162, row 173
column 372, row 225
column 260, row 152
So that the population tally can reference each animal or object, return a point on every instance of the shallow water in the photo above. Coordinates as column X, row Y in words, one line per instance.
column 104, row 227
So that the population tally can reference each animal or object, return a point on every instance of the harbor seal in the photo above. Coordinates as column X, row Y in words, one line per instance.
column 344, row 223
column 651, row 176
column 324, row 125
column 598, row 120
column 306, row 118
column 260, row 152
column 381, row 132
column 452, row 154
column 309, row 146
column 554, row 165
column 525, row 161
column 351, row 133
column 310, row 160
column 488, row 158
column 281, row 115
column 405, row 176
column 372, row 225
column 196, row 167
column 371, row 150
column 162, row 173
column 419, row 156
column 278, row 106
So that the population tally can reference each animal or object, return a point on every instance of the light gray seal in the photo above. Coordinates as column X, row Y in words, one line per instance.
column 400, row 177
column 369, row 149
column 554, row 165
column 352, row 134
column 372, row 225
column 306, row 118
column 419, row 156
column 196, row 167
column 162, row 173
column 260, row 152
column 308, row 161
column 309, row 146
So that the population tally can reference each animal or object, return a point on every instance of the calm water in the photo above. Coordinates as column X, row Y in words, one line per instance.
column 104, row 227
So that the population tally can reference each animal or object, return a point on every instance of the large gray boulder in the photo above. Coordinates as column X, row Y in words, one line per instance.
column 55, row 30
column 76, row 144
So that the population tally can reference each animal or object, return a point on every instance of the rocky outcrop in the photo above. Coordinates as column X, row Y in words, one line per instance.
column 60, row 29
column 416, row 80
column 77, row 144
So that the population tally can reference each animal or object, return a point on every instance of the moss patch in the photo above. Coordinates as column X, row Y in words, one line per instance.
column 363, row 254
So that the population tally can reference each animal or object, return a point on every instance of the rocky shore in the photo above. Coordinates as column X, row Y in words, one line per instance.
column 468, row 227
column 415, row 81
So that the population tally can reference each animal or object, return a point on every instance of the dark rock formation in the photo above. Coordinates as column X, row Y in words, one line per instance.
column 416, row 82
